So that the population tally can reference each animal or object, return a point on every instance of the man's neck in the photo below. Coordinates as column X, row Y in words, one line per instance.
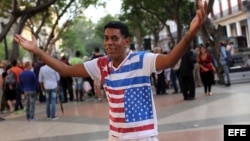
column 117, row 63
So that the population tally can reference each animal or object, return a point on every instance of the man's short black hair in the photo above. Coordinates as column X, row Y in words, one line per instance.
column 118, row 25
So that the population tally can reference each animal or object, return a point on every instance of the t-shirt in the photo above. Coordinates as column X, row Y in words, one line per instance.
column 17, row 71
column 206, row 63
column 129, row 92
column 75, row 60
column 49, row 77
column 28, row 81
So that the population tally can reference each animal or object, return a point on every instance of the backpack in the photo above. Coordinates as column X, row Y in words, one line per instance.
column 10, row 78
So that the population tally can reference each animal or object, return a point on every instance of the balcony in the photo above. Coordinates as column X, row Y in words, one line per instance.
column 226, row 13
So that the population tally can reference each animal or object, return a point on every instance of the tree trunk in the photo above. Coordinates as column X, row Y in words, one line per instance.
column 156, row 38
column 213, row 36
column 15, row 47
column 172, row 40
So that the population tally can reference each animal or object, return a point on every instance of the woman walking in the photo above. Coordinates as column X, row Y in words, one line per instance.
column 206, row 69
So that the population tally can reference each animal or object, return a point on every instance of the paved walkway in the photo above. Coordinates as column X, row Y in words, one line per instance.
column 198, row 120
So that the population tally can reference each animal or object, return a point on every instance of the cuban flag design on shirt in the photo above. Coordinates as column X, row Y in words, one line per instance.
column 129, row 93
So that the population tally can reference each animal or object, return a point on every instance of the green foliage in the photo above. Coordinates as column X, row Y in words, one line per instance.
column 147, row 17
column 42, row 13
column 2, row 53
column 99, row 30
column 80, row 36
column 9, row 43
column 5, row 5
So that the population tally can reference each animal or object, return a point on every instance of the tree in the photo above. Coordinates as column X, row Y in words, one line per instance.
column 212, row 35
column 24, row 13
column 101, row 23
column 162, row 11
column 80, row 36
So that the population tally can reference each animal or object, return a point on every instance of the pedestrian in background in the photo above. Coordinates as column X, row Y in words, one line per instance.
column 36, row 68
column 224, row 63
column 207, row 70
column 49, row 81
column 97, row 83
column 78, row 81
column 3, row 97
column 175, row 77
column 9, row 85
column 17, row 71
column 66, row 84
column 29, row 85
column 187, row 76
column 160, row 76
column 197, row 76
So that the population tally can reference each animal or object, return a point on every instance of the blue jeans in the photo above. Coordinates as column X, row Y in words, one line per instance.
column 51, row 102
column 19, row 103
column 226, row 72
column 174, row 77
column 78, row 83
column 31, row 102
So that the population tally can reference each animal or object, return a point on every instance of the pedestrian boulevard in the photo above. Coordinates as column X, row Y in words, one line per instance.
column 201, row 119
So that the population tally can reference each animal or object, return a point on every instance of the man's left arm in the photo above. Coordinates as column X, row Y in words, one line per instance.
column 169, row 60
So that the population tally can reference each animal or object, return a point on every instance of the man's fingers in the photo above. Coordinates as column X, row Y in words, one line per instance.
column 202, row 12
column 205, row 10
column 19, row 38
column 33, row 38
column 16, row 38
column 205, row 6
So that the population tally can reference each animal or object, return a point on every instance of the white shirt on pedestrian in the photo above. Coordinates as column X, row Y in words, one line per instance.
column 49, row 77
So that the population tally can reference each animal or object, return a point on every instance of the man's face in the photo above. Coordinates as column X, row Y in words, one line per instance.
column 115, row 44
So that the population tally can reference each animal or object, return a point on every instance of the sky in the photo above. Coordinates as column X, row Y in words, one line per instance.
column 96, row 13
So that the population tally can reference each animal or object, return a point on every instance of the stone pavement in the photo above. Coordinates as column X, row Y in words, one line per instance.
column 199, row 120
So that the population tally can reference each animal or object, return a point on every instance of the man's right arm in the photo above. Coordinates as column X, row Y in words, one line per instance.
column 62, row 68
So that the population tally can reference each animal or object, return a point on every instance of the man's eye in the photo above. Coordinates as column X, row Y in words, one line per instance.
column 115, row 38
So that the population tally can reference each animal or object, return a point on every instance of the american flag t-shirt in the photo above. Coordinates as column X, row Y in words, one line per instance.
column 128, row 88
column 138, row 104
column 131, row 112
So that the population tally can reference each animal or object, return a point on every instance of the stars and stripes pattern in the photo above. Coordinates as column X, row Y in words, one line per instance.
column 128, row 88
column 138, row 104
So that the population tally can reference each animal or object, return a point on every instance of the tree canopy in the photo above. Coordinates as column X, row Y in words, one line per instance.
column 35, row 14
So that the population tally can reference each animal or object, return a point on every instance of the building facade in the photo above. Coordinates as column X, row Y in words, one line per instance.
column 234, row 16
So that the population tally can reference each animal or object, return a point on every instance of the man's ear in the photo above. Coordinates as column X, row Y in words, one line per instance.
column 127, row 40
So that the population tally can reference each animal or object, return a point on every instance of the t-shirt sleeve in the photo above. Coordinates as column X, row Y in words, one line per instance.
column 92, row 69
column 150, row 62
